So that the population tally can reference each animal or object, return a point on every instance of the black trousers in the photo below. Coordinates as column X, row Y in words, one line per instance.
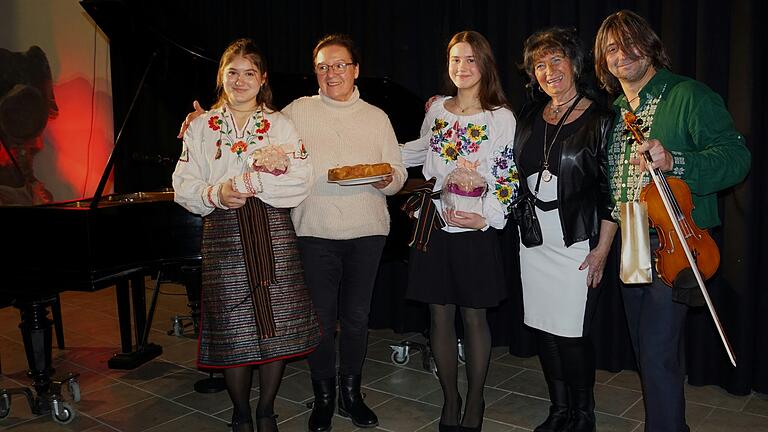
column 340, row 275
column 656, row 326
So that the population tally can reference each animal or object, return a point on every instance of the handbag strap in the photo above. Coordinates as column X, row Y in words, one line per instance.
column 538, row 183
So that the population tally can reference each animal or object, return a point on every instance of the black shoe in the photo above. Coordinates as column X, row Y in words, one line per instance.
column 323, row 406
column 477, row 428
column 351, row 403
column 442, row 427
column 266, row 423
column 559, row 414
column 241, row 426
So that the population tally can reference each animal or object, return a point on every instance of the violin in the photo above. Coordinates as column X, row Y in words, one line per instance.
column 684, row 248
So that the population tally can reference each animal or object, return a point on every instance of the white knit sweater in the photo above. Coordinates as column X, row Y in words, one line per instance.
column 344, row 133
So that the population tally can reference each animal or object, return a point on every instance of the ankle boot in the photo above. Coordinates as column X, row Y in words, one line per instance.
column 557, row 420
column 582, row 409
column 322, row 408
column 351, row 403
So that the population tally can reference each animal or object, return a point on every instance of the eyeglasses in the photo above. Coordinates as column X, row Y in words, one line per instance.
column 339, row 68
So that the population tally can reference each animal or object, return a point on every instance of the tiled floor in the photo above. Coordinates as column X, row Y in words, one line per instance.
column 159, row 395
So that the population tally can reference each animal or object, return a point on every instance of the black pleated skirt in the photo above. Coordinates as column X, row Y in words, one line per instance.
column 465, row 269
column 229, row 336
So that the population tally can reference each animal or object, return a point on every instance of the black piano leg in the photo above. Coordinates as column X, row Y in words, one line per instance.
column 124, row 315
column 144, row 352
column 36, row 331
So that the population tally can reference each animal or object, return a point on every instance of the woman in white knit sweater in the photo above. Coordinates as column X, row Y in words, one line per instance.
column 342, row 229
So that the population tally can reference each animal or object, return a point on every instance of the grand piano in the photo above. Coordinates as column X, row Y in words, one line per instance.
column 86, row 245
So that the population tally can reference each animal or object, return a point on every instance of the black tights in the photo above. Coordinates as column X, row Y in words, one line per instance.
column 477, row 353
column 571, row 360
column 238, row 381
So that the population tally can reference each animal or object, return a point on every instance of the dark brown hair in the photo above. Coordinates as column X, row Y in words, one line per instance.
column 554, row 40
column 247, row 49
column 341, row 40
column 491, row 94
column 634, row 37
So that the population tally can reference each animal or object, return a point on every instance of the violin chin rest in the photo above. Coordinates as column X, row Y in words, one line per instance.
column 685, row 289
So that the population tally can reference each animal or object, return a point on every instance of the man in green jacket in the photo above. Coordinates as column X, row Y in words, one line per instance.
column 689, row 135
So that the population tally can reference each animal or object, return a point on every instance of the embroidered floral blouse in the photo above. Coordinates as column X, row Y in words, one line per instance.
column 484, row 138
column 216, row 151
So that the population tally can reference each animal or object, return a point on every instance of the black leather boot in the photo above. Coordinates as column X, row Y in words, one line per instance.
column 322, row 409
column 582, row 409
column 351, row 403
column 557, row 420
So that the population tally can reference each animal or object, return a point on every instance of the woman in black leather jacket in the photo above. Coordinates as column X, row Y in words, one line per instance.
column 560, row 152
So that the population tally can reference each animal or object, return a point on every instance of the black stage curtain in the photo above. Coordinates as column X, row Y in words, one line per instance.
column 716, row 42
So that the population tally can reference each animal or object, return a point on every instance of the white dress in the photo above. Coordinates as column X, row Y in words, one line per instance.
column 554, row 289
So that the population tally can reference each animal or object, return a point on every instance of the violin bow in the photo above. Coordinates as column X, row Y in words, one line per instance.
column 632, row 122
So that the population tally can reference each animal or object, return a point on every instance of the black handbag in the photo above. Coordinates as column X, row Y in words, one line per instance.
column 525, row 213
column 530, row 229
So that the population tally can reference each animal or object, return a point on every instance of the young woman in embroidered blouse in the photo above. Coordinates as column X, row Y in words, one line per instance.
column 461, row 265
column 245, row 320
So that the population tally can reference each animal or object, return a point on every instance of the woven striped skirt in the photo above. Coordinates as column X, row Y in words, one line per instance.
column 229, row 335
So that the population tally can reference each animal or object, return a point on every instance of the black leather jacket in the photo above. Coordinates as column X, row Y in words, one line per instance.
column 583, row 194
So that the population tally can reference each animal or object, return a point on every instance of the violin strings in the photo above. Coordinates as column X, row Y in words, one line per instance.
column 662, row 181
column 678, row 213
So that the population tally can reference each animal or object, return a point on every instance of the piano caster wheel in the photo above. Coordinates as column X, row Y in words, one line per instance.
column 74, row 390
column 5, row 405
column 62, row 412
column 178, row 328
column 400, row 354
column 178, row 325
column 460, row 348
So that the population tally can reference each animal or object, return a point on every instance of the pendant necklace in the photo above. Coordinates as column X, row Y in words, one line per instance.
column 463, row 110
column 546, row 175
column 554, row 109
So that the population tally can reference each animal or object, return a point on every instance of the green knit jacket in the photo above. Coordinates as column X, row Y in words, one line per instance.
column 692, row 123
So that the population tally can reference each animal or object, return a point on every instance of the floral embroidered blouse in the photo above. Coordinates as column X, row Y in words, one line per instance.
column 215, row 151
column 485, row 138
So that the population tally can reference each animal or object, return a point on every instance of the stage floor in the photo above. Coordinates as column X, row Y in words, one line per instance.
column 159, row 396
